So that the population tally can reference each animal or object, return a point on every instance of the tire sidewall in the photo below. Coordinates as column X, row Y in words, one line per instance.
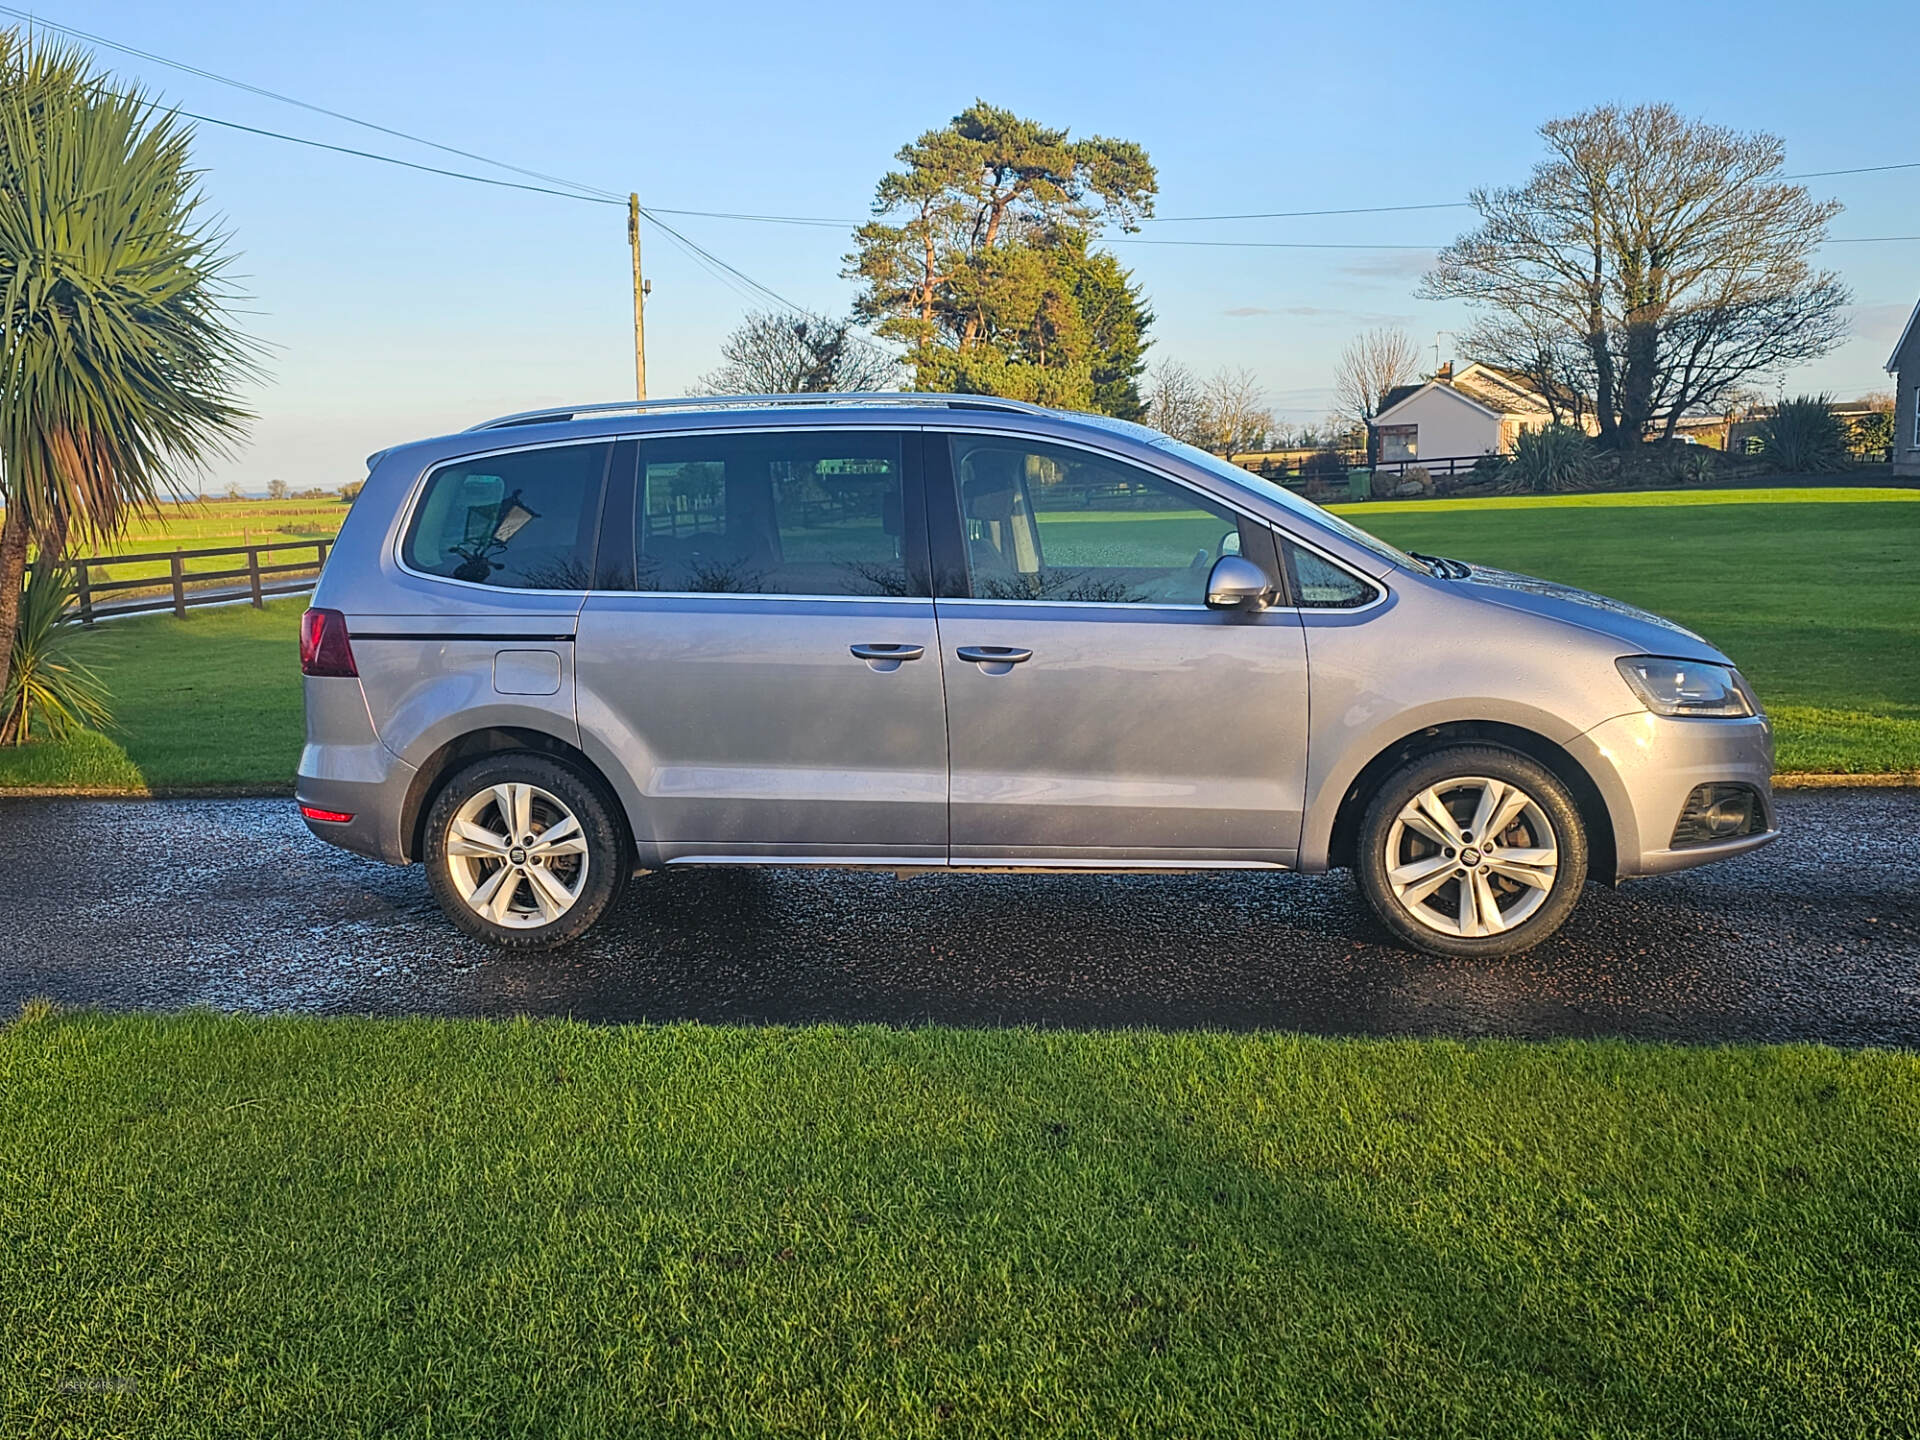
column 1497, row 763
column 607, row 863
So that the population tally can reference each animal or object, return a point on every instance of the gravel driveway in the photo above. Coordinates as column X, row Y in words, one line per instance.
column 231, row 904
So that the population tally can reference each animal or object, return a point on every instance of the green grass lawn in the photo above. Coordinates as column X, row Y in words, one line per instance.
column 211, row 700
column 1815, row 593
column 228, row 1227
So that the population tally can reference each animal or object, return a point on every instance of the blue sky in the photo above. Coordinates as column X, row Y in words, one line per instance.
column 398, row 304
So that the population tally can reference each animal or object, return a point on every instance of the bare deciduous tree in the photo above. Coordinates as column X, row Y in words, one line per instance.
column 1176, row 403
column 1669, row 250
column 783, row 355
column 1237, row 417
column 1373, row 364
column 1552, row 360
column 1226, row 413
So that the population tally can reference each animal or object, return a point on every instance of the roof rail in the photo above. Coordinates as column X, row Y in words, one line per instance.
column 560, row 413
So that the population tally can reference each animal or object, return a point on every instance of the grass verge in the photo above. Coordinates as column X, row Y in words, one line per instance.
column 212, row 700
column 292, row 1227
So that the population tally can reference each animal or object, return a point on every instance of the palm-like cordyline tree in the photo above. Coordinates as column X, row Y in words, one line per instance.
column 118, row 365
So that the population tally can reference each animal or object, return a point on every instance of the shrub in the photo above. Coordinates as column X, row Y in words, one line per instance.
column 1325, row 463
column 1687, row 464
column 1804, row 437
column 49, row 693
column 1554, row 457
column 1872, row 435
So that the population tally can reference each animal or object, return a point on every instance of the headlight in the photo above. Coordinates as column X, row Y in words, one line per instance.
column 1685, row 687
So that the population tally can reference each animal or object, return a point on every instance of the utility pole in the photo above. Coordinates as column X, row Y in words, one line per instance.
column 641, row 288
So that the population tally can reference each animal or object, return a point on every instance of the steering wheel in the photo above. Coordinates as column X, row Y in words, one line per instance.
column 1179, row 585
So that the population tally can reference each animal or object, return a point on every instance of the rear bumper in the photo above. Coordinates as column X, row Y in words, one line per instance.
column 1646, row 765
column 345, row 769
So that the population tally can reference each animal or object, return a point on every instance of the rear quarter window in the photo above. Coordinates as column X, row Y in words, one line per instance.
column 522, row 521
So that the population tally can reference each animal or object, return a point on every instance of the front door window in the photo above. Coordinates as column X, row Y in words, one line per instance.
column 1051, row 523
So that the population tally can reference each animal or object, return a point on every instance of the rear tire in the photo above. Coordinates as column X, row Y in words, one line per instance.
column 1446, row 888
column 523, row 852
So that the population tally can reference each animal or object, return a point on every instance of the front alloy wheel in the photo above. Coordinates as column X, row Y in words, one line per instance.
column 523, row 852
column 1473, row 851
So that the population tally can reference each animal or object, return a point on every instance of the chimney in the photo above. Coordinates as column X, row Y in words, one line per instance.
column 1445, row 372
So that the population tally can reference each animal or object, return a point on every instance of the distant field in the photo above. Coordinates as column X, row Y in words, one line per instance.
column 206, row 524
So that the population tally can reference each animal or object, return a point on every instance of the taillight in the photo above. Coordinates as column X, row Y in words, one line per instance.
column 332, row 817
column 323, row 644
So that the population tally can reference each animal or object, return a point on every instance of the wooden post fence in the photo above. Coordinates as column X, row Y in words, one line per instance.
column 254, row 574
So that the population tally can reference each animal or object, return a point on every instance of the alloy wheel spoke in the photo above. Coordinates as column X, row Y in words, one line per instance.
column 1439, row 828
column 1491, row 920
column 516, row 808
column 1430, row 807
column 1420, row 889
column 542, row 901
column 1468, row 914
column 1415, row 870
column 1493, row 797
column 563, row 837
column 549, row 892
column 482, row 894
column 501, row 907
column 1529, row 867
column 476, row 841
column 1508, row 812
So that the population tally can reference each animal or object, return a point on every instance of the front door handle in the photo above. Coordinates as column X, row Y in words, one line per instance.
column 887, row 657
column 993, row 654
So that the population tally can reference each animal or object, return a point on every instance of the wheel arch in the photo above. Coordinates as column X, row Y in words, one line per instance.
column 1595, row 816
column 435, row 770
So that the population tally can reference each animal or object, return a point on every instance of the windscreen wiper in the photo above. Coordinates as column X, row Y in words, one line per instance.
column 1445, row 568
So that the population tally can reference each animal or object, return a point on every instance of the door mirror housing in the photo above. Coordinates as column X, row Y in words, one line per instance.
column 1236, row 583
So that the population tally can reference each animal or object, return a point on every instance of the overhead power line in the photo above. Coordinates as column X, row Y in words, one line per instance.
column 294, row 100
column 403, row 164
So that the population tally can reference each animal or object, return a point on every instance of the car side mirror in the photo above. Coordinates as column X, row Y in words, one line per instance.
column 1236, row 583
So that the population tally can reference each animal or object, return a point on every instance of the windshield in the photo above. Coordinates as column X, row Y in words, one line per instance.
column 1298, row 505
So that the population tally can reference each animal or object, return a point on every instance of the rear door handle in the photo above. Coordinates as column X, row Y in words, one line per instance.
column 895, row 653
column 993, row 654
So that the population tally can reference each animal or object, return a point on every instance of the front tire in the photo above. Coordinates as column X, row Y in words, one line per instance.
column 523, row 852
column 1473, row 851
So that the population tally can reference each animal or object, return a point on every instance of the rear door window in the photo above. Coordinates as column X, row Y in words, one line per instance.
column 521, row 521
column 789, row 513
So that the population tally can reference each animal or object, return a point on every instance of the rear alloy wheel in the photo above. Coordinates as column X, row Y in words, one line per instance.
column 522, row 852
column 1473, row 851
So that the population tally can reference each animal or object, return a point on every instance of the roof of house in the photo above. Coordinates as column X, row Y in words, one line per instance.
column 1893, row 360
column 1499, row 389
column 1445, row 387
column 1490, row 388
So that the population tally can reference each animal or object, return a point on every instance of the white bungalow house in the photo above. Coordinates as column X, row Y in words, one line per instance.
column 1904, row 366
column 1457, row 417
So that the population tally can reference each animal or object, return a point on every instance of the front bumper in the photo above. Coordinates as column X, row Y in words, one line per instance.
column 1646, row 765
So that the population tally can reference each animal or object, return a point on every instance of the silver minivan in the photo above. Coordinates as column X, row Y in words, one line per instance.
column 955, row 632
